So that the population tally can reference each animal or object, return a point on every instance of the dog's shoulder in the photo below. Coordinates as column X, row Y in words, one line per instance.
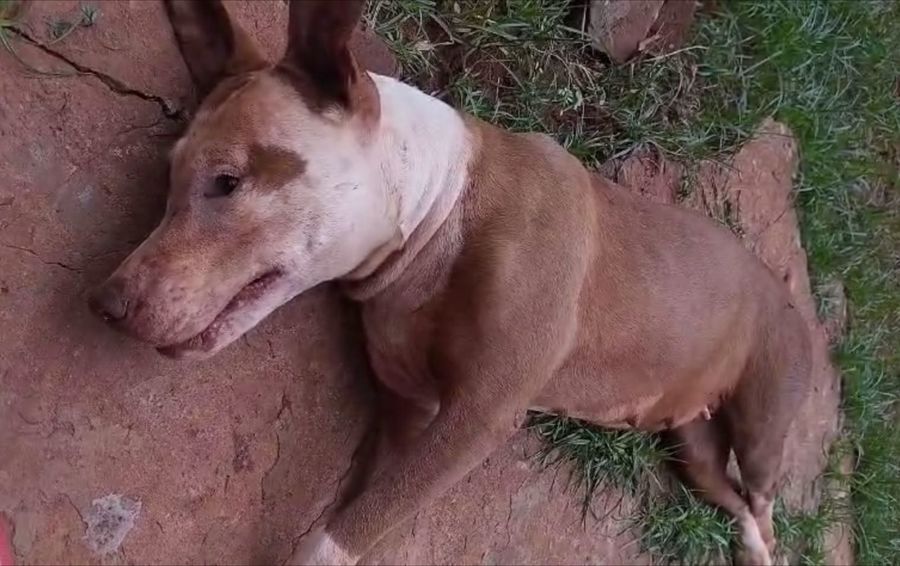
column 528, row 210
column 526, row 182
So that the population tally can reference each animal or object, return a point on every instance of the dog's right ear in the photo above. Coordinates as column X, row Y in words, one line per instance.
column 318, row 49
column 212, row 45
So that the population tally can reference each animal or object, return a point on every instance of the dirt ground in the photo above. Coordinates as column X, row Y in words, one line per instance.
column 110, row 453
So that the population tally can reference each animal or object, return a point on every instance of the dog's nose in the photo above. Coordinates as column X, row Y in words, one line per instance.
column 108, row 301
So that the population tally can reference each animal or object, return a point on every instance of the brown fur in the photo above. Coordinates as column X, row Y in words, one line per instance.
column 618, row 311
column 213, row 48
column 541, row 286
column 318, row 62
column 274, row 166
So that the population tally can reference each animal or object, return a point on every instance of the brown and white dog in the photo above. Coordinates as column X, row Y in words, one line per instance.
column 494, row 275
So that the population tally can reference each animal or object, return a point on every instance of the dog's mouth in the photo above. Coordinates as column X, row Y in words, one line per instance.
column 210, row 339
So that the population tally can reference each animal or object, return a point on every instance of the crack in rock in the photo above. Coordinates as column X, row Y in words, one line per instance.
column 265, row 476
column 330, row 504
column 169, row 110
column 39, row 258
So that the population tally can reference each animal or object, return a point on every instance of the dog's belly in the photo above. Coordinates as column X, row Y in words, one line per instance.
column 629, row 393
column 620, row 416
column 652, row 412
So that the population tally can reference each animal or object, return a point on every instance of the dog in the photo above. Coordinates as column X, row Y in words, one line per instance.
column 494, row 275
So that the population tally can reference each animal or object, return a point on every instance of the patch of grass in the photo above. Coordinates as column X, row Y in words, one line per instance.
column 678, row 528
column 828, row 69
column 600, row 459
column 804, row 532
column 675, row 526
column 516, row 63
column 402, row 23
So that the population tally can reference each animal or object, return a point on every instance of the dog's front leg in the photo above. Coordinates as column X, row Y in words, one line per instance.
column 480, row 415
column 492, row 388
column 497, row 344
column 462, row 436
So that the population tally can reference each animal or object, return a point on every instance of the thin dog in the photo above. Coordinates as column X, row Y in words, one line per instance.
column 494, row 274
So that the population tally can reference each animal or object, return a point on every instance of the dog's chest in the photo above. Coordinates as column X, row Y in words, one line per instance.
column 399, row 334
column 401, row 322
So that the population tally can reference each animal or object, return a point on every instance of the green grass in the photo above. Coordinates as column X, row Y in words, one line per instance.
column 674, row 526
column 828, row 69
column 517, row 64
column 600, row 459
column 678, row 528
column 804, row 532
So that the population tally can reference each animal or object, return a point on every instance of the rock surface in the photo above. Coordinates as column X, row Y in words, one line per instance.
column 754, row 194
column 672, row 26
column 231, row 459
column 373, row 53
column 619, row 26
column 623, row 28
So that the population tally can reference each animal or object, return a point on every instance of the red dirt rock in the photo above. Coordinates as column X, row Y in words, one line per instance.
column 672, row 26
column 758, row 186
column 619, row 27
column 648, row 173
column 509, row 511
column 623, row 28
column 373, row 53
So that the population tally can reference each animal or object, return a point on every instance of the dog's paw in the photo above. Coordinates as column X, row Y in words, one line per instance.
column 318, row 548
column 752, row 557
column 753, row 550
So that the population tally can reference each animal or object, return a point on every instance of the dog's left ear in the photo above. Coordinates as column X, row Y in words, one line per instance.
column 318, row 52
column 212, row 45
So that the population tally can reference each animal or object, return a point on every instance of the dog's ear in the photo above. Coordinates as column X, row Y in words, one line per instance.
column 318, row 48
column 212, row 45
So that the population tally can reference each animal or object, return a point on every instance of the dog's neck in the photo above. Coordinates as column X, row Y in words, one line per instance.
column 423, row 148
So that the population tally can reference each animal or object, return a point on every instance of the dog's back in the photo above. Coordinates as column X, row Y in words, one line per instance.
column 673, row 309
column 678, row 326
column 669, row 309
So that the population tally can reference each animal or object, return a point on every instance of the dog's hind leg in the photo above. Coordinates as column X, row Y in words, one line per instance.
column 701, row 448
column 760, row 412
column 758, row 448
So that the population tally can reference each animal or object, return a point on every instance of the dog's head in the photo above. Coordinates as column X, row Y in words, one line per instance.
column 274, row 188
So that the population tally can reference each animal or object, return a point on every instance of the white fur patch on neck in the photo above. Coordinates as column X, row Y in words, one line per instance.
column 425, row 149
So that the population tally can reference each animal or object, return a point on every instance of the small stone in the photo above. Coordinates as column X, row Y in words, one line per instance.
column 108, row 522
column 372, row 53
column 618, row 27
column 672, row 26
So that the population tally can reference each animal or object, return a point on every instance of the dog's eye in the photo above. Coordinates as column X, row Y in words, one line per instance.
column 224, row 185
